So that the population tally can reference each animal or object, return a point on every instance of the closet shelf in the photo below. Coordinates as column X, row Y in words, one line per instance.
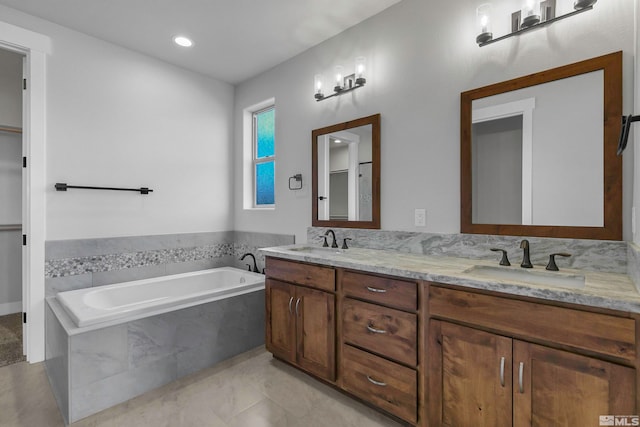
column 11, row 129
column 10, row 227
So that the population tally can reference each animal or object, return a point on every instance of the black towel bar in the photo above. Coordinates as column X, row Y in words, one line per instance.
column 61, row 186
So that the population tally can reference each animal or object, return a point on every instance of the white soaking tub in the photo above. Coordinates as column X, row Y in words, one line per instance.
column 92, row 306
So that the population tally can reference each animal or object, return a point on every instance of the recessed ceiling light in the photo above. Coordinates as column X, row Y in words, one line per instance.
column 182, row 41
column 337, row 141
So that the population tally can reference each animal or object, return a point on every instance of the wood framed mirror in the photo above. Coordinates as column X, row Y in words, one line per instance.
column 538, row 153
column 346, row 174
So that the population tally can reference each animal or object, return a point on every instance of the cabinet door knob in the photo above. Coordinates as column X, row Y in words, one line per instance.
column 378, row 383
column 502, row 371
column 376, row 290
column 521, row 377
column 376, row 331
column 297, row 304
column 290, row 302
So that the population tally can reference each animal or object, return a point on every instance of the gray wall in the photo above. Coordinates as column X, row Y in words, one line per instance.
column 10, row 182
column 117, row 118
column 420, row 58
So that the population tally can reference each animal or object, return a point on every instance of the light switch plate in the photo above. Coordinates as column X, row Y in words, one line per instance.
column 420, row 217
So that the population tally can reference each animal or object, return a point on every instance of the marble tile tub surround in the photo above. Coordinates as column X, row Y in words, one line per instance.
column 82, row 263
column 91, row 371
column 594, row 255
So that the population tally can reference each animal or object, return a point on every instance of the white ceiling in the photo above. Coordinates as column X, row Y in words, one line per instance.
column 233, row 39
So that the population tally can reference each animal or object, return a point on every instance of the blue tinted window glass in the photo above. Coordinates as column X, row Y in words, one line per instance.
column 265, row 133
column 265, row 183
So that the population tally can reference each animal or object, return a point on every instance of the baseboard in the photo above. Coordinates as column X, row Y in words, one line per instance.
column 10, row 308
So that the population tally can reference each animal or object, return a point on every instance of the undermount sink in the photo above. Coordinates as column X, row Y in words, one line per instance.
column 536, row 277
column 317, row 250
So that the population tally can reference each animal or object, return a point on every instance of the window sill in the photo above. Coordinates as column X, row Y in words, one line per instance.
column 266, row 208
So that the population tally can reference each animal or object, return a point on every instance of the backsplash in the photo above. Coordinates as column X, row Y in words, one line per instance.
column 633, row 264
column 594, row 255
column 82, row 263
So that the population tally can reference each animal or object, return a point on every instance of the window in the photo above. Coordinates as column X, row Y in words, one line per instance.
column 264, row 160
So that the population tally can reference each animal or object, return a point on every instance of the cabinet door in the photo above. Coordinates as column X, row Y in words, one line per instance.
column 280, row 322
column 469, row 377
column 315, row 312
column 558, row 388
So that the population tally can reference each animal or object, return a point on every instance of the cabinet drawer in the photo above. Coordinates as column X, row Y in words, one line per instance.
column 602, row 333
column 387, row 385
column 314, row 276
column 385, row 331
column 395, row 293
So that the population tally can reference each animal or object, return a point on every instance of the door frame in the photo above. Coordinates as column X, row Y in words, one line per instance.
column 34, row 47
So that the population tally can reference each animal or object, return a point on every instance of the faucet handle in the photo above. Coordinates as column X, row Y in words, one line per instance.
column 344, row 242
column 505, row 259
column 248, row 267
column 552, row 266
column 325, row 244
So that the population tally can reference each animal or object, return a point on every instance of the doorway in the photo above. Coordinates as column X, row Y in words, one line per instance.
column 12, row 193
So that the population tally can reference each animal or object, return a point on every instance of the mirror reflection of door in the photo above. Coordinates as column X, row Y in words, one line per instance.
column 345, row 175
column 537, row 156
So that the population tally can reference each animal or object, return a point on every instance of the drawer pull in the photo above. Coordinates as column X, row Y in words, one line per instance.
column 290, row 302
column 502, row 371
column 378, row 383
column 376, row 290
column 376, row 331
column 297, row 304
column 520, row 377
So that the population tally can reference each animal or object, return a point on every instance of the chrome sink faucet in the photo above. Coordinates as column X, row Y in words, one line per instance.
column 526, row 261
column 334, row 244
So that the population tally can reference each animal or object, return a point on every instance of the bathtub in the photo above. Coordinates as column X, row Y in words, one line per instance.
column 134, row 299
column 108, row 344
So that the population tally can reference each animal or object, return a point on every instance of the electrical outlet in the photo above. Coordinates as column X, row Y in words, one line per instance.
column 420, row 218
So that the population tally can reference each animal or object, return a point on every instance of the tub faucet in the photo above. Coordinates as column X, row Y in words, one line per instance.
column 255, row 265
column 526, row 261
column 334, row 244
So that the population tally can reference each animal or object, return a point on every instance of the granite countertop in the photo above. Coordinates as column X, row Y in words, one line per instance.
column 604, row 290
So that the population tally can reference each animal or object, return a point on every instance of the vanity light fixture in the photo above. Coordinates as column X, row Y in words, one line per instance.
column 338, row 78
column 530, row 13
column 182, row 41
column 581, row 4
column 533, row 14
column 341, row 83
column 483, row 16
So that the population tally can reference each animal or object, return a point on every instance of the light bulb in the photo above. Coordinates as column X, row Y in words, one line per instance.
column 483, row 18
column 361, row 67
column 338, row 78
column 530, row 13
column 317, row 86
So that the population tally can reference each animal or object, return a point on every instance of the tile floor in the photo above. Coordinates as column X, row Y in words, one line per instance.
column 11, row 339
column 250, row 390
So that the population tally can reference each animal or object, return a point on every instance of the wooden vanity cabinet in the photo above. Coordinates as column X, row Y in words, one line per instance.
column 379, row 341
column 489, row 377
column 300, row 324
column 439, row 355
